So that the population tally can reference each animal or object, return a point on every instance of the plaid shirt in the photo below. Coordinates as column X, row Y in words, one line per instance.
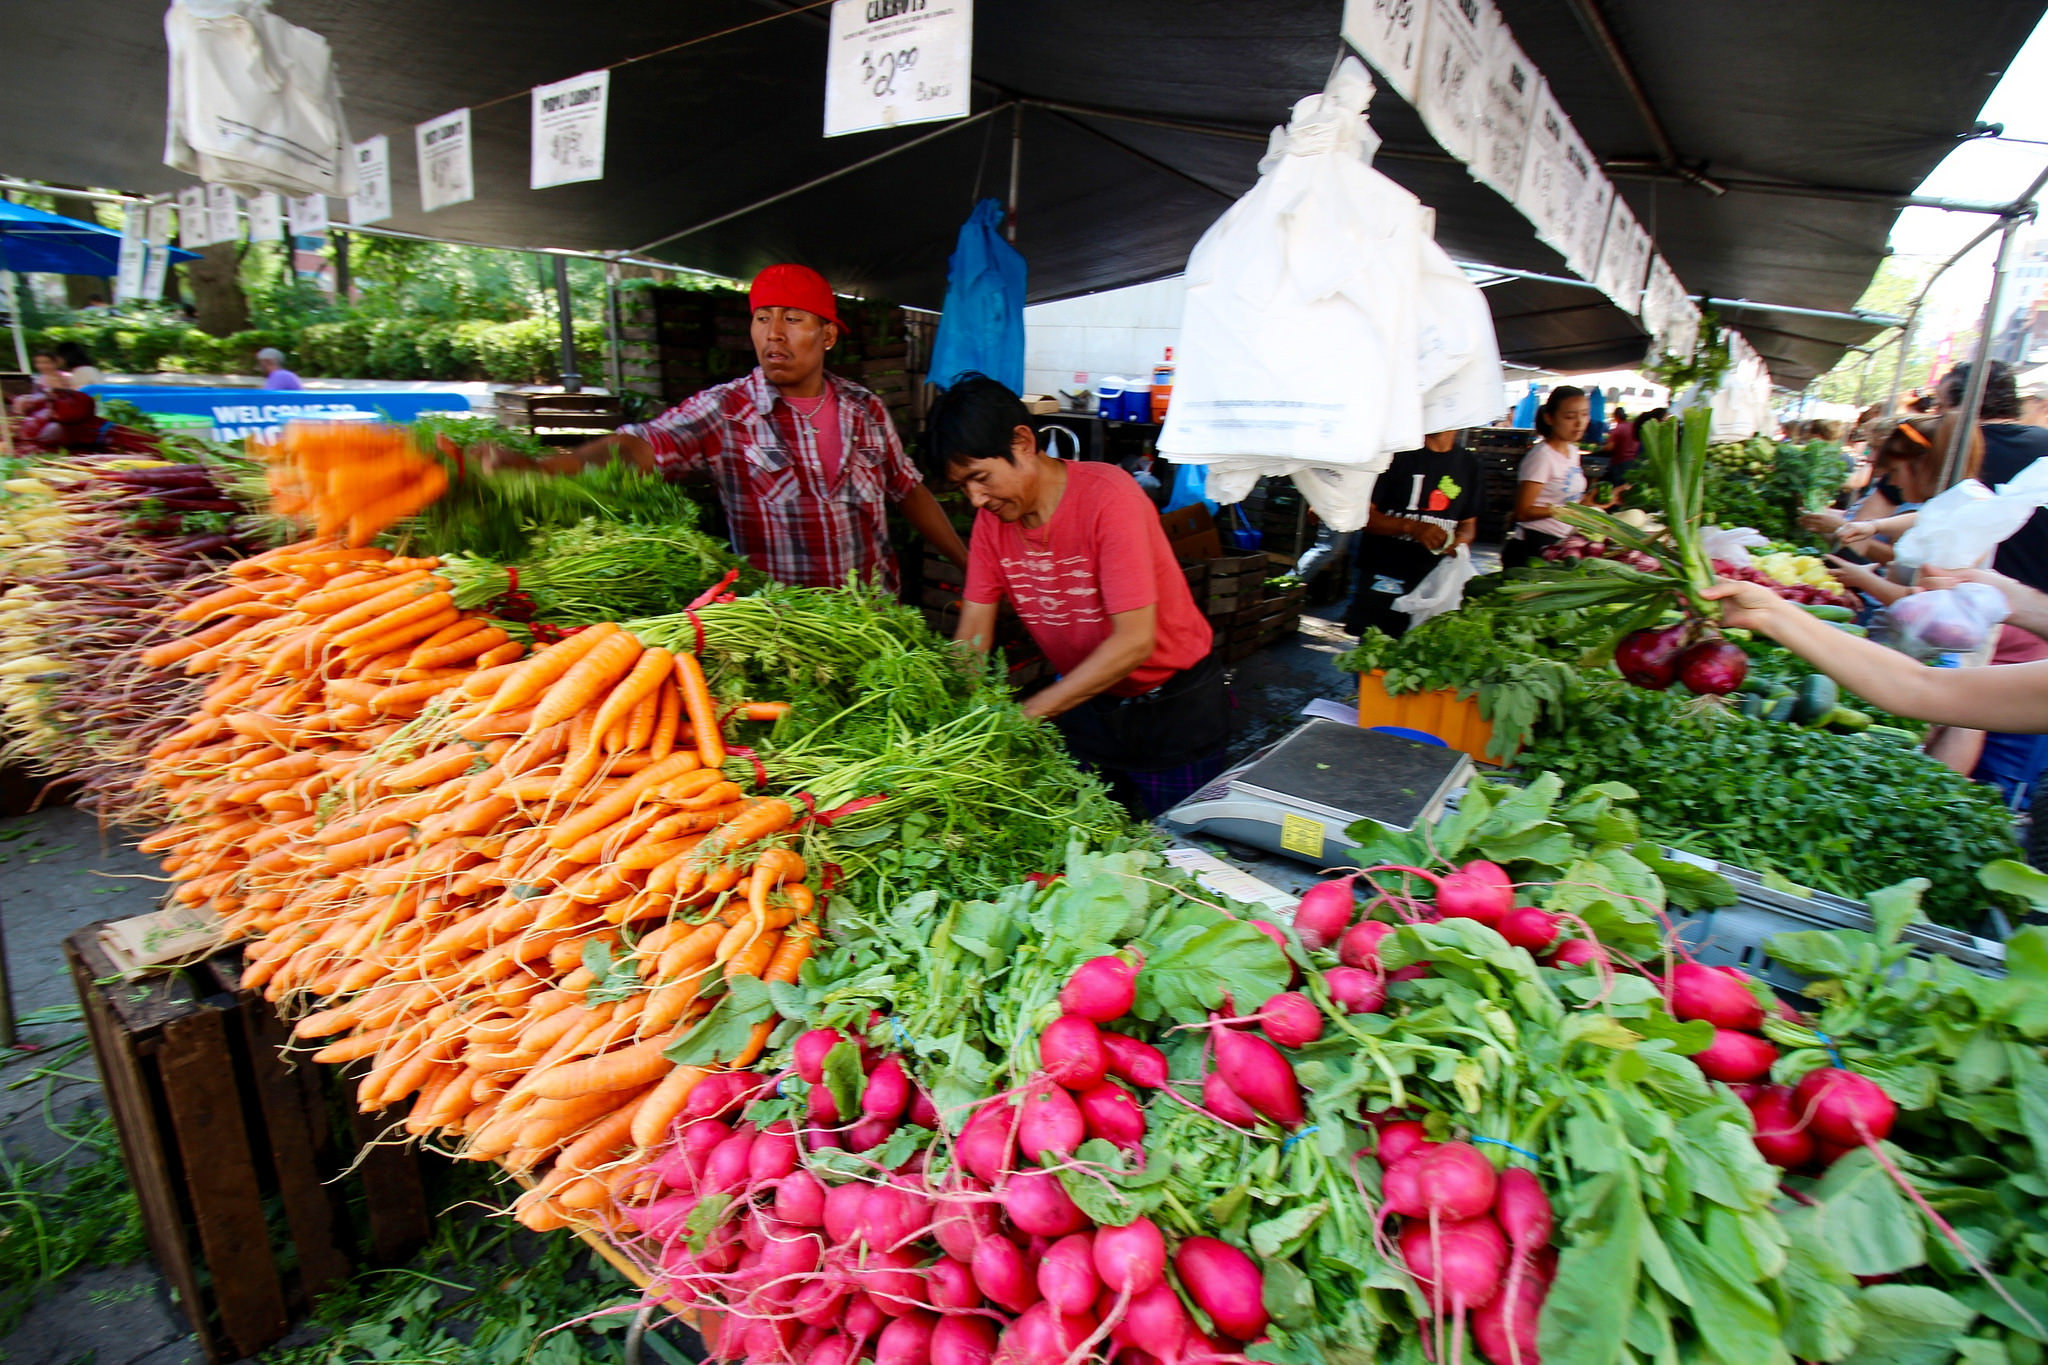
column 764, row 459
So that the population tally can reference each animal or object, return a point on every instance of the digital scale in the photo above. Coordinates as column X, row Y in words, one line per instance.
column 1299, row 796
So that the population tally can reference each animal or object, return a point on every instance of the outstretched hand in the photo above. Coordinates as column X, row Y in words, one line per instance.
column 1747, row 606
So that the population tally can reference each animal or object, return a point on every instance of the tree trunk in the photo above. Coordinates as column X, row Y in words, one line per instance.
column 216, row 279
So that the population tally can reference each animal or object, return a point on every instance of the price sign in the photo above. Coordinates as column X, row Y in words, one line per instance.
column 1388, row 33
column 1542, row 193
column 134, row 259
column 221, row 219
column 192, row 222
column 1453, row 72
column 443, row 147
column 309, row 215
column 1592, row 196
column 162, row 226
column 568, row 130
column 1668, row 314
column 371, row 203
column 266, row 217
column 1624, row 258
column 1507, row 103
column 892, row 62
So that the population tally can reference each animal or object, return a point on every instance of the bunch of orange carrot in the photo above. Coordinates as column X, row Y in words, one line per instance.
column 503, row 880
column 352, row 479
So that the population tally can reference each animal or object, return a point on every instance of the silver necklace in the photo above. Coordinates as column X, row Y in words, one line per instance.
column 812, row 415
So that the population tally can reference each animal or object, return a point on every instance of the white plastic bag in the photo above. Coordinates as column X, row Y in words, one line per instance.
column 1441, row 590
column 1959, row 527
column 254, row 101
column 1732, row 545
column 1946, row 621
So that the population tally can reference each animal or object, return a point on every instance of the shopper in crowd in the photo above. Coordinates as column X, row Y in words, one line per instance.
column 270, row 360
column 1076, row 548
column 1424, row 506
column 1551, row 475
column 806, row 463
column 1907, row 459
column 78, row 367
column 49, row 371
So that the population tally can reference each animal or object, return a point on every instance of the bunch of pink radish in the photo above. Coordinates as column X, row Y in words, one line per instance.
column 1476, row 1241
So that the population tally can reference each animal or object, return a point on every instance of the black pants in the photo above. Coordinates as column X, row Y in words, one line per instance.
column 1524, row 545
column 1158, row 749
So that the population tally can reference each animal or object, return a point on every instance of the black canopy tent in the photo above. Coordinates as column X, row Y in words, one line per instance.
column 1138, row 121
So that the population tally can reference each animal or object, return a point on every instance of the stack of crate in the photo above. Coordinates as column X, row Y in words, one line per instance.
column 1500, row 451
column 1234, row 600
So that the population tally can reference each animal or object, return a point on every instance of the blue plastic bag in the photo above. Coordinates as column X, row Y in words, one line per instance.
column 982, row 328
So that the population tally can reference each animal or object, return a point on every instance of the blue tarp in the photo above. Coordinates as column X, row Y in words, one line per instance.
column 1596, row 402
column 34, row 241
column 1525, row 411
column 982, row 328
column 262, row 412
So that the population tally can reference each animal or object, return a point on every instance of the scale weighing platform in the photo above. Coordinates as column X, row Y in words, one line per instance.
column 1299, row 796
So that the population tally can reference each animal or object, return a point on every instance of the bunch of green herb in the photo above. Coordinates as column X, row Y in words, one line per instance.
column 497, row 515
column 602, row 571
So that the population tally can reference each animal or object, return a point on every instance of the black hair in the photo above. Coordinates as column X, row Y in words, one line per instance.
column 72, row 354
column 2001, row 391
column 1559, row 396
column 974, row 419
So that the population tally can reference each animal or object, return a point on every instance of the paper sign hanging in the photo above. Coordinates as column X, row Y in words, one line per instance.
column 1388, row 33
column 443, row 147
column 163, row 224
column 192, row 223
column 1592, row 196
column 892, row 62
column 266, row 217
column 568, row 129
column 134, row 258
column 222, row 222
column 1507, row 101
column 1542, row 194
column 1668, row 314
column 309, row 215
column 158, row 266
column 371, row 203
column 1453, row 71
column 1624, row 258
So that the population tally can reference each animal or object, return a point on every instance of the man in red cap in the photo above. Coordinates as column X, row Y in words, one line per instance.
column 806, row 463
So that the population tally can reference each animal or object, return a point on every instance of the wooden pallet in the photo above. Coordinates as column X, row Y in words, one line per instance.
column 240, row 1160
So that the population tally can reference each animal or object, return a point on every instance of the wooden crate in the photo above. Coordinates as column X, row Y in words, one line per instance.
column 558, row 418
column 241, row 1161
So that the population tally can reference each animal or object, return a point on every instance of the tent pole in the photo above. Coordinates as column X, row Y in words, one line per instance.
column 572, row 382
column 614, row 369
column 1016, row 167
column 1973, row 394
column 14, row 321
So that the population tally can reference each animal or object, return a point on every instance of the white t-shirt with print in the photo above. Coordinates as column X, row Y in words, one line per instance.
column 1563, row 480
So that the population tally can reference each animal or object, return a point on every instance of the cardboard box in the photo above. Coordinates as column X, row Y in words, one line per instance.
column 1192, row 533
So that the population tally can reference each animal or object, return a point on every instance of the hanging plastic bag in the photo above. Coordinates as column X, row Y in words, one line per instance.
column 1190, row 486
column 1960, row 527
column 1441, row 589
column 982, row 327
column 1946, row 621
column 254, row 101
column 1732, row 546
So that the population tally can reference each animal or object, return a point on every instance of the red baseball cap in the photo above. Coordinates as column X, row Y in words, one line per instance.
column 794, row 286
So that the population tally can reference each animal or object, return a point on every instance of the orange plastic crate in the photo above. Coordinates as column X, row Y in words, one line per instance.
column 1457, row 723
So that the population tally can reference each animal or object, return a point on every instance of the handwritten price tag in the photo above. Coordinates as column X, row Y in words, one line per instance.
column 892, row 62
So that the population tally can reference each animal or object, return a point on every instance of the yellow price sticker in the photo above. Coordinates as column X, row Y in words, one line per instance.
column 1299, row 834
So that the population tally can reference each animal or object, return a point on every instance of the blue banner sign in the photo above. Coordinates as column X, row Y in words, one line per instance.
column 262, row 413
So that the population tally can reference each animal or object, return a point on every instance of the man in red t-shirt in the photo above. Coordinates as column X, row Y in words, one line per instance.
column 1077, row 550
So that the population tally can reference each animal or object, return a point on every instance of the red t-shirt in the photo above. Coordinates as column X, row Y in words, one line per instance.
column 1101, row 553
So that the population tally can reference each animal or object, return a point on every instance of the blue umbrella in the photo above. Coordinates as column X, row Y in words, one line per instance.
column 32, row 241
column 1597, row 401
column 1525, row 411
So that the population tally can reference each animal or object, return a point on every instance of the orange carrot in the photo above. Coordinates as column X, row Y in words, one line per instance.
column 702, row 710
column 657, row 1113
column 648, row 673
column 540, row 671
column 640, row 1064
column 602, row 668
column 764, row 710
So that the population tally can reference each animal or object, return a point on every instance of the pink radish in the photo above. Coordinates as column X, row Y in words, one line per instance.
column 890, row 1215
column 923, row 1112
column 774, row 1153
column 1324, row 911
column 1226, row 1104
column 811, row 1050
column 1070, row 1052
column 906, row 1341
column 869, row 1134
column 1452, row 1181
column 1130, row 1259
column 791, row 1256
column 699, row 1141
column 892, row 1280
column 1355, row 990
column 1155, row 1322
column 1722, row 1000
column 727, row 1168
column 1360, row 946
column 1523, row 1210
column 960, row 1219
column 1130, row 1060
column 1225, row 1284
column 988, row 1143
column 1527, row 927
column 1051, row 1125
column 843, row 1205
column 960, row 1341
column 1261, row 1077
column 1479, row 890
column 1505, row 1326
column 1291, row 1019
column 887, row 1095
column 1042, row 1336
column 1066, row 1276
column 1000, row 1274
column 1734, row 1056
column 1111, row 1114
column 1400, row 1138
column 1101, row 989
column 833, row 1350
column 663, row 1218
column 1781, row 1135
column 1040, row 1206
column 819, row 1303
column 1458, row 1264
column 1843, row 1107
column 863, row 1318
column 951, row 1285
column 821, row 1108
column 1578, row 952
column 715, row 1094
column 1489, row 874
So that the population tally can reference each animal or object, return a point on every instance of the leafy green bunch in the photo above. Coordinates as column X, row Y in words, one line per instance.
column 602, row 571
